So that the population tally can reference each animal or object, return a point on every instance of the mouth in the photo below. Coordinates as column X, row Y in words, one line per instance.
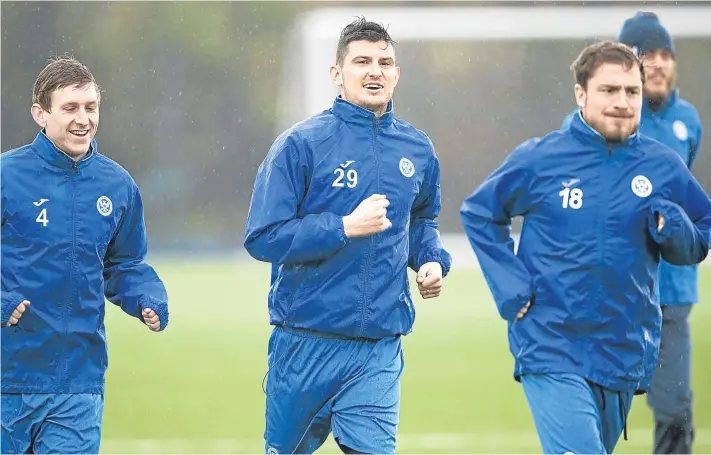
column 373, row 87
column 79, row 133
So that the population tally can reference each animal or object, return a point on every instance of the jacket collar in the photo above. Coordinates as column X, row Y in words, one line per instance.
column 352, row 113
column 49, row 152
column 660, row 108
column 585, row 132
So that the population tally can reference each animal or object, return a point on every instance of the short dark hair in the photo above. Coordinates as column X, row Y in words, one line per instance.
column 361, row 30
column 62, row 71
column 595, row 55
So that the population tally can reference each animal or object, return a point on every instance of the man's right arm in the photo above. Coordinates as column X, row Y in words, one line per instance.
column 10, row 300
column 274, row 233
column 486, row 217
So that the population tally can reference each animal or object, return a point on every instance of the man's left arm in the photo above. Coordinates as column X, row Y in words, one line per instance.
column 129, row 282
column 684, row 234
column 425, row 243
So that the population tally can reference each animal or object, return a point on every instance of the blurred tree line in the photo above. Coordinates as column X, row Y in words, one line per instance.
column 188, row 100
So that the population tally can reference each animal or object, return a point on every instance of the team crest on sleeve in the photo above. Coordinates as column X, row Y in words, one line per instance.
column 104, row 205
column 680, row 130
column 406, row 167
column 641, row 186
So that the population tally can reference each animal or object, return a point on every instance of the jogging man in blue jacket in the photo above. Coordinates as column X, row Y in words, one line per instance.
column 343, row 203
column 602, row 204
column 72, row 234
column 675, row 123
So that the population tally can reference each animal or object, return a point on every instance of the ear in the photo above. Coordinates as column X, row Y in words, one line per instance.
column 39, row 114
column 580, row 95
column 397, row 76
column 336, row 75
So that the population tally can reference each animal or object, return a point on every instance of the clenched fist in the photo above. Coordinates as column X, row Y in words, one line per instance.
column 370, row 217
column 429, row 280
column 523, row 311
column 17, row 314
column 151, row 319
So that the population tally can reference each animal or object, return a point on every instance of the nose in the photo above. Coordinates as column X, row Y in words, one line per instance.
column 621, row 101
column 81, row 117
column 375, row 69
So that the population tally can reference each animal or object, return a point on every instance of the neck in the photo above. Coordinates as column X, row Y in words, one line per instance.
column 379, row 111
column 73, row 157
column 657, row 103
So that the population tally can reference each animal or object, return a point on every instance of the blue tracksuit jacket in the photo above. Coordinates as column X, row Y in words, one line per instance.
column 589, row 249
column 72, row 234
column 675, row 124
column 319, row 171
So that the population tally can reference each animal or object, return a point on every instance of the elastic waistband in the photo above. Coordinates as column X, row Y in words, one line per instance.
column 310, row 333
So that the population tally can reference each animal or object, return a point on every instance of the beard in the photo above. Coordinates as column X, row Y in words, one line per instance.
column 658, row 98
column 613, row 132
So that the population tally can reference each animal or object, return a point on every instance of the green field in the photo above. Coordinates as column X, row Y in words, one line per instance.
column 197, row 387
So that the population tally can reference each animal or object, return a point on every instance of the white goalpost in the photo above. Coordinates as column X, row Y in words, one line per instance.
column 307, row 88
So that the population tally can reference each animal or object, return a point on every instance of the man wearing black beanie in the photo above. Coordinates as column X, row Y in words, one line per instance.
column 674, row 122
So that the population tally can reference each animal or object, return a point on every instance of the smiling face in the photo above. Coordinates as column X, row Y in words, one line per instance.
column 65, row 104
column 368, row 75
column 660, row 69
column 72, row 119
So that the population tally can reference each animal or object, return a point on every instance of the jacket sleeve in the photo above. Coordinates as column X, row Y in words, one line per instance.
column 425, row 242
column 10, row 300
column 686, row 235
column 129, row 282
column 486, row 216
column 274, row 230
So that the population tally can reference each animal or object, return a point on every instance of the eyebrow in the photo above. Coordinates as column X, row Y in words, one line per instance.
column 75, row 104
column 617, row 87
column 367, row 57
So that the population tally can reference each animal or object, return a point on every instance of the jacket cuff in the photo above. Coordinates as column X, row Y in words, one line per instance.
column 440, row 256
column 510, row 310
column 9, row 304
column 160, row 307
column 672, row 220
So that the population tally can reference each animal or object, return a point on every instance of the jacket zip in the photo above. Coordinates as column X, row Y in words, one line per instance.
column 602, row 234
column 65, row 330
column 371, row 243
